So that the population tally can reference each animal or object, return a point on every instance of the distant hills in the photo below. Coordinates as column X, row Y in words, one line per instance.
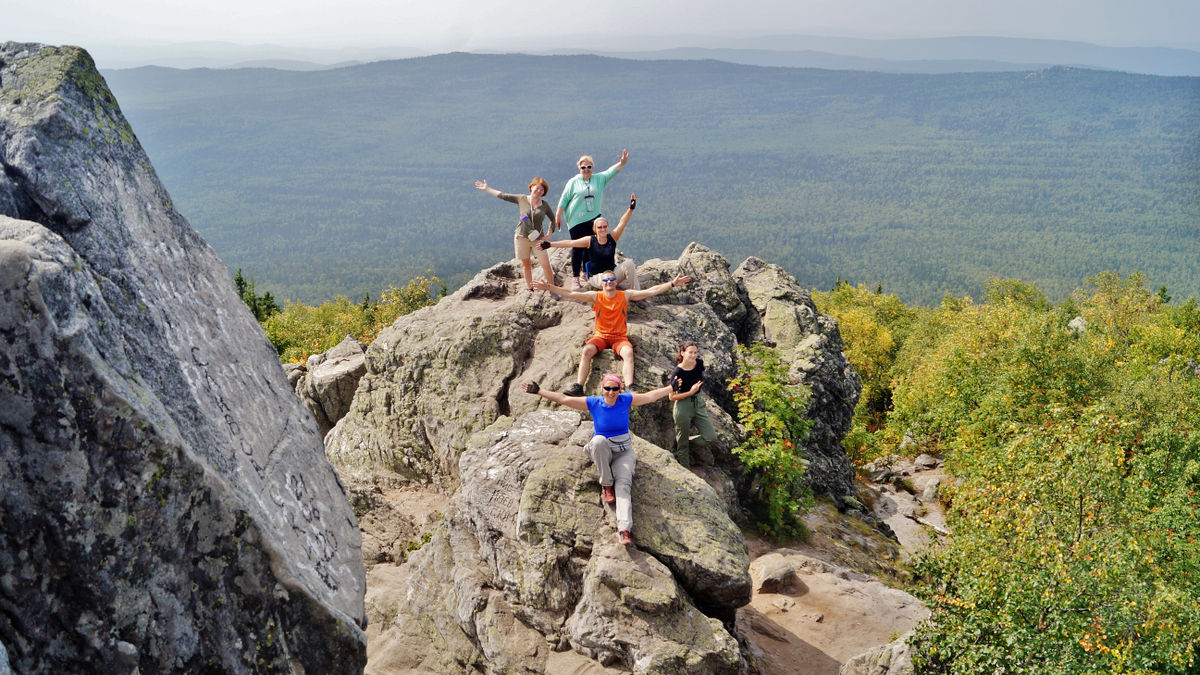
column 911, row 55
column 349, row 179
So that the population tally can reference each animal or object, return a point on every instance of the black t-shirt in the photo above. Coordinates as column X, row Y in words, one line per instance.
column 689, row 377
column 602, row 257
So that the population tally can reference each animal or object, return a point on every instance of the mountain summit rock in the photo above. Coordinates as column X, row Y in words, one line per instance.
column 523, row 571
column 166, row 504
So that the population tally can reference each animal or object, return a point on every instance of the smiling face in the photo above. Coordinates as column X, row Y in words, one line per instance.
column 585, row 167
column 601, row 227
column 611, row 388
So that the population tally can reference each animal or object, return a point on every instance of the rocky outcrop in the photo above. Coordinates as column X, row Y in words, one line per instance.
column 528, row 565
column 327, row 381
column 811, row 343
column 525, row 567
column 166, row 506
column 440, row 374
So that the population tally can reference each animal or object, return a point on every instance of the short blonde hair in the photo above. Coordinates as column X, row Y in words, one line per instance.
column 585, row 158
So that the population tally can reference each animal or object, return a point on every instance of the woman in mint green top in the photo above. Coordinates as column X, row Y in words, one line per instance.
column 580, row 205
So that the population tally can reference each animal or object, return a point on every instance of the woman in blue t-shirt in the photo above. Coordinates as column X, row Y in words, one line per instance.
column 611, row 448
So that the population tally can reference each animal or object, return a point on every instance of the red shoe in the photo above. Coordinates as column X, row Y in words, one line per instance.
column 625, row 537
column 607, row 494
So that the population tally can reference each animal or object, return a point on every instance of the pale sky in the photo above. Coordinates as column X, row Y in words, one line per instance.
column 538, row 25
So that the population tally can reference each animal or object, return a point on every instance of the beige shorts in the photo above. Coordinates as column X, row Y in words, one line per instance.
column 524, row 248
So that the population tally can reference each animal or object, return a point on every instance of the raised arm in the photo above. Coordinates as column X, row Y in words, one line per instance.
column 642, row 398
column 616, row 233
column 576, row 402
column 620, row 162
column 583, row 296
column 657, row 290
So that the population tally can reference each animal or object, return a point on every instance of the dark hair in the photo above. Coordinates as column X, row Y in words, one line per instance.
column 682, row 348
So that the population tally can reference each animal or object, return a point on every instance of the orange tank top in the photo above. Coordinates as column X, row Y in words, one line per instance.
column 610, row 314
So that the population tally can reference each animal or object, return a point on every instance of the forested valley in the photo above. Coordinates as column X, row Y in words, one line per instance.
column 353, row 180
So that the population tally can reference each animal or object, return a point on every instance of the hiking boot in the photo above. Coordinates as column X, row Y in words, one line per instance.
column 607, row 494
column 574, row 390
column 625, row 537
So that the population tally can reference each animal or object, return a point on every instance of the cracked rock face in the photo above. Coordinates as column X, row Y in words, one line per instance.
column 166, row 505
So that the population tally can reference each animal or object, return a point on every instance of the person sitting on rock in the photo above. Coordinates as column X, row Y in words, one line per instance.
column 530, row 228
column 612, row 308
column 689, row 408
column 602, row 250
column 611, row 448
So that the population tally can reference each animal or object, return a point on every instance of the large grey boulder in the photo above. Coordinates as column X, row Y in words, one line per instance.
column 528, row 565
column 327, row 381
column 166, row 506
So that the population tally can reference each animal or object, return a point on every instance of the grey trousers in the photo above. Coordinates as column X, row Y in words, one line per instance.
column 616, row 469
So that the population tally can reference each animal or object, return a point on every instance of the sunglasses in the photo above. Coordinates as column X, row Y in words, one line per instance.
column 608, row 280
column 612, row 389
column 584, row 166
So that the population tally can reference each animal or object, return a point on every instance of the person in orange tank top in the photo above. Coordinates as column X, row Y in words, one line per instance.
column 612, row 308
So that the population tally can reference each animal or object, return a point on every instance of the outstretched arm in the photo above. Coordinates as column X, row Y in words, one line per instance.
column 582, row 242
column 642, row 398
column 482, row 185
column 582, row 296
column 576, row 402
column 616, row 233
column 657, row 290
column 680, row 395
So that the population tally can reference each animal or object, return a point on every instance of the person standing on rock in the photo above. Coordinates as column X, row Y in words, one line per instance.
column 611, row 448
column 612, row 308
column 689, row 408
column 602, row 250
column 579, row 206
column 529, row 230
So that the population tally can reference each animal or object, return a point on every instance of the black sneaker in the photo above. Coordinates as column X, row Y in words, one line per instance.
column 574, row 390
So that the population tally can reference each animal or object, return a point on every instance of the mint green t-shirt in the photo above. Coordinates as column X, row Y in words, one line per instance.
column 581, row 199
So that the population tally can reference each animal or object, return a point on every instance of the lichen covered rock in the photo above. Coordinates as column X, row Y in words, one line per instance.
column 166, row 506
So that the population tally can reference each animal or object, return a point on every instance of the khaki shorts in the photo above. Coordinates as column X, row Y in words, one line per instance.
column 524, row 248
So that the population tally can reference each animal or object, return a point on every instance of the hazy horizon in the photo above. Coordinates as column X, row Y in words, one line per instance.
column 539, row 25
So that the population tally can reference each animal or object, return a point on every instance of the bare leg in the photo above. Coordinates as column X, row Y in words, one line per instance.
column 527, row 270
column 627, row 366
column 546, row 271
column 585, row 363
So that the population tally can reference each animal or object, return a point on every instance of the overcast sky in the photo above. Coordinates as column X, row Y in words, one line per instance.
column 535, row 25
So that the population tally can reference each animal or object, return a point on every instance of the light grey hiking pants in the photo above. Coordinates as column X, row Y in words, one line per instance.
column 616, row 469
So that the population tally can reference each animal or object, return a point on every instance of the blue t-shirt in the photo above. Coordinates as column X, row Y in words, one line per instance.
column 612, row 420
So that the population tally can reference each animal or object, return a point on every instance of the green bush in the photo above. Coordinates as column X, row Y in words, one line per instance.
column 302, row 330
column 772, row 412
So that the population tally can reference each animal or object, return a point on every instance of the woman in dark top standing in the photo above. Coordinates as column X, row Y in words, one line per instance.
column 602, row 251
column 689, row 404
column 535, row 226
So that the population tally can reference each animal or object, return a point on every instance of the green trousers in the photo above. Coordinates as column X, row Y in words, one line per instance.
column 689, row 412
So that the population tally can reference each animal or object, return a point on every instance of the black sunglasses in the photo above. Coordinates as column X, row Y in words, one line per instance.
column 612, row 389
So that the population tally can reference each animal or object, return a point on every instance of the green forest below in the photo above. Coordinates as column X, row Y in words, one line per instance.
column 1075, row 456
column 352, row 180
